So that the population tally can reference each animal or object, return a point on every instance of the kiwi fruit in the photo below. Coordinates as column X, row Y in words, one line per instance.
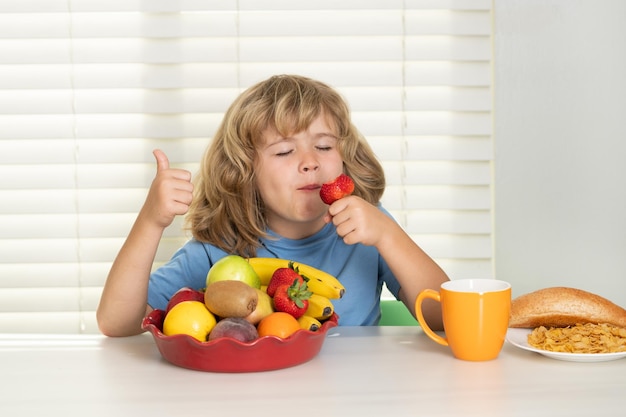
column 230, row 298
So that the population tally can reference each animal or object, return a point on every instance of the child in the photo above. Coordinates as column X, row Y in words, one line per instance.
column 257, row 194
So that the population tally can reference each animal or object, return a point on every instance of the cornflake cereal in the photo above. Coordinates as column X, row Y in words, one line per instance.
column 581, row 338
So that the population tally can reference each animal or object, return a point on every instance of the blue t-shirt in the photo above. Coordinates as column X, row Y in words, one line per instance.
column 360, row 269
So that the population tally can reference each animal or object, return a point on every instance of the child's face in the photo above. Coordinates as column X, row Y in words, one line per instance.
column 290, row 171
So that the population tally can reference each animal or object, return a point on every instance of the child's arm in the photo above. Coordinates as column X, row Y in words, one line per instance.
column 124, row 298
column 360, row 222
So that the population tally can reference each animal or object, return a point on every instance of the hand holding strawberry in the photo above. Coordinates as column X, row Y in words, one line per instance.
column 340, row 187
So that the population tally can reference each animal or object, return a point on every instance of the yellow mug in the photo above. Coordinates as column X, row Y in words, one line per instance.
column 475, row 316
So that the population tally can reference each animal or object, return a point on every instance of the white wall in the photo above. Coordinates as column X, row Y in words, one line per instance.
column 560, row 145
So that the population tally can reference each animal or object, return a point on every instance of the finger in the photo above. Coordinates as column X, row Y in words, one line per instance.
column 182, row 196
column 161, row 160
column 338, row 206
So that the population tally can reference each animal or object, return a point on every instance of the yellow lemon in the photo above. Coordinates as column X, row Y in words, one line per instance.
column 189, row 317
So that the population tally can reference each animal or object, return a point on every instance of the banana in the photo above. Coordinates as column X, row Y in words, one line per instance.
column 265, row 267
column 320, row 286
column 319, row 282
column 309, row 323
column 320, row 307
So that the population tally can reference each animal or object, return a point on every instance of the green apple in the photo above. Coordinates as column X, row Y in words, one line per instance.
column 233, row 267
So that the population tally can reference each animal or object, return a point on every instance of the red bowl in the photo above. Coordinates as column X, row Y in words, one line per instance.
column 230, row 355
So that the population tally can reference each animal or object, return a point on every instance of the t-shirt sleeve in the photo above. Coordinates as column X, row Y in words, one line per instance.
column 384, row 272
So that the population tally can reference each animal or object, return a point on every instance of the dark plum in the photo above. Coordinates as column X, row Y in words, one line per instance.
column 234, row 327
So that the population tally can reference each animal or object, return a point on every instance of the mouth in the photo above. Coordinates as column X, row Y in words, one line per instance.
column 310, row 187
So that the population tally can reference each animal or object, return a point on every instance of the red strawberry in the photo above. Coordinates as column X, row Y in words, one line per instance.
column 292, row 299
column 283, row 276
column 340, row 187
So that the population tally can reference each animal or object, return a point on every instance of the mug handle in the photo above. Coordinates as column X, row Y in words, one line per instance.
column 428, row 293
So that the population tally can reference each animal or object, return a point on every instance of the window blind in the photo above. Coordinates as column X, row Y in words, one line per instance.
column 89, row 88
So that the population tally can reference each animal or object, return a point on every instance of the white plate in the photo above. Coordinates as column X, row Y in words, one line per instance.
column 519, row 338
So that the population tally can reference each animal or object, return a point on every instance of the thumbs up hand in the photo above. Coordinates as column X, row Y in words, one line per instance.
column 170, row 193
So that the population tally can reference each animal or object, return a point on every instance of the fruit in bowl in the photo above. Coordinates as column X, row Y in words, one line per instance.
column 226, row 354
column 233, row 267
column 184, row 294
column 279, row 324
column 230, row 298
column 190, row 318
column 238, row 327
column 264, row 307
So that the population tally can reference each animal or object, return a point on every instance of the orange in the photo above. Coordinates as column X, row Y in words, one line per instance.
column 279, row 324
column 192, row 318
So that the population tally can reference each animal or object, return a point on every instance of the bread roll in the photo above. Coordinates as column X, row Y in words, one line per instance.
column 562, row 307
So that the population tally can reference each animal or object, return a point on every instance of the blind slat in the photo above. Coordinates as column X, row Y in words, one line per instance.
column 197, row 125
column 205, row 100
column 449, row 197
column 60, row 6
column 220, row 24
column 224, row 75
column 49, row 322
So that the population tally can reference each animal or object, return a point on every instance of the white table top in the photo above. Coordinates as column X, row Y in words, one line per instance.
column 360, row 371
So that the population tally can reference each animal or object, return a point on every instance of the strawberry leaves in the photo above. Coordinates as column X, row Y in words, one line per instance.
column 292, row 298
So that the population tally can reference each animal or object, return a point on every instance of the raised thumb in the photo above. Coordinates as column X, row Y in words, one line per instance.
column 161, row 159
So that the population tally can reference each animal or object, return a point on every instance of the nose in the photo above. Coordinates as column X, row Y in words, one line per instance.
column 309, row 163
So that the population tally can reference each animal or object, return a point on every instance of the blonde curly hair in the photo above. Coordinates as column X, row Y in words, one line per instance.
column 227, row 210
